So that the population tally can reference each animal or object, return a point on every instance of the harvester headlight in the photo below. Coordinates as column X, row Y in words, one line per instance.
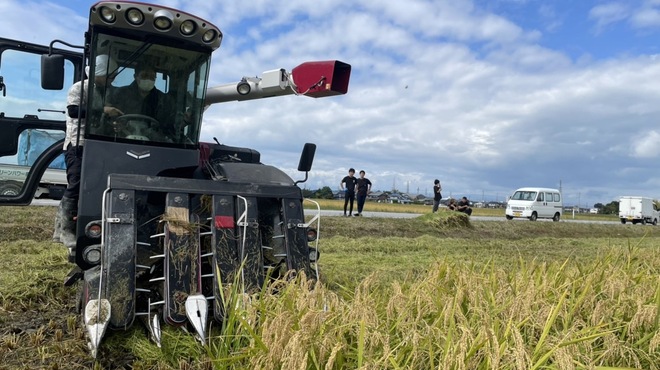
column 243, row 87
column 313, row 255
column 163, row 20
column 134, row 16
column 209, row 36
column 188, row 27
column 107, row 14
column 92, row 254
column 311, row 234
column 93, row 229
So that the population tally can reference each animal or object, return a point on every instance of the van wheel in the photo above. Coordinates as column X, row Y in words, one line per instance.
column 643, row 221
column 623, row 221
column 555, row 218
column 533, row 217
column 509, row 217
column 655, row 221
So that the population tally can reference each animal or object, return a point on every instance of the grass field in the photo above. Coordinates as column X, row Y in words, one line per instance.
column 436, row 291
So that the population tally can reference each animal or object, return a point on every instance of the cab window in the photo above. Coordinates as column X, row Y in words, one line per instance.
column 21, row 74
column 25, row 101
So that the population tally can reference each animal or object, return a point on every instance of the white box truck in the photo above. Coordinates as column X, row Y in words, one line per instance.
column 638, row 209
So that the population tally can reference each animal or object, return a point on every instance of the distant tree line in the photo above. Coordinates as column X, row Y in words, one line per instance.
column 611, row 208
column 323, row 193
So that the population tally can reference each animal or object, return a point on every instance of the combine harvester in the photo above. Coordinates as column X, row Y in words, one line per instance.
column 164, row 222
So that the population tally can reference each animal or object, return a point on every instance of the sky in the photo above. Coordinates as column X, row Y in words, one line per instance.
column 485, row 95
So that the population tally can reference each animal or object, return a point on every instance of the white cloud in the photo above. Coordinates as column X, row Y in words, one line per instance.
column 439, row 89
column 609, row 13
column 646, row 17
column 646, row 145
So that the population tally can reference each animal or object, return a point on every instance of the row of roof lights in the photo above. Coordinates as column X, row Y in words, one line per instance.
column 163, row 21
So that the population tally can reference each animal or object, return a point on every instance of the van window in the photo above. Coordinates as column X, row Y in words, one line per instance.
column 540, row 197
column 524, row 195
column 557, row 197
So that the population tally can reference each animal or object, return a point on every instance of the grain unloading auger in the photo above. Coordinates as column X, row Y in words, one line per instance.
column 165, row 222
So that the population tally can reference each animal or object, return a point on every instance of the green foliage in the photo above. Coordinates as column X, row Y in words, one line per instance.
column 324, row 193
column 306, row 193
column 611, row 208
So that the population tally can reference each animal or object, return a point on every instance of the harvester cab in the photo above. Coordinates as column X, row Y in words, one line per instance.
column 164, row 222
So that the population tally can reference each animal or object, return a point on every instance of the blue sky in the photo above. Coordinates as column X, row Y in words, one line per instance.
column 486, row 96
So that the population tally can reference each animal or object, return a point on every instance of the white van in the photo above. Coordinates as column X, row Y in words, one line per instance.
column 533, row 203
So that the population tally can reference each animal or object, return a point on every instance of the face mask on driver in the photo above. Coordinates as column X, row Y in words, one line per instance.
column 146, row 85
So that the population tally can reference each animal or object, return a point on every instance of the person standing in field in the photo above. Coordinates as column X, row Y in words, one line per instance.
column 363, row 189
column 347, row 185
column 437, row 196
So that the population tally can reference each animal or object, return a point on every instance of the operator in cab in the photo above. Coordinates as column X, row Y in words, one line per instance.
column 142, row 98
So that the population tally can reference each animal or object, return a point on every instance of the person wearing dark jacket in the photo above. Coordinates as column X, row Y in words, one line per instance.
column 363, row 186
column 348, row 185
column 437, row 196
column 141, row 97
column 464, row 206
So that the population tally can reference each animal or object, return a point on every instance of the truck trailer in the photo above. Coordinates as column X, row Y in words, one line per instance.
column 638, row 210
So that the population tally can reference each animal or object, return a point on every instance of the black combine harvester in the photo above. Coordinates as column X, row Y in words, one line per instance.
column 164, row 222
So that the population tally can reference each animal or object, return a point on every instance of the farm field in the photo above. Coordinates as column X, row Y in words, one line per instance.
column 332, row 204
column 436, row 291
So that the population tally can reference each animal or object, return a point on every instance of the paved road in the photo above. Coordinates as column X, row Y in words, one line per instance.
column 45, row 202
column 332, row 213
column 366, row 214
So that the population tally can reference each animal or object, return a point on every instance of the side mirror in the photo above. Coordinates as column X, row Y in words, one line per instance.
column 307, row 157
column 52, row 72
